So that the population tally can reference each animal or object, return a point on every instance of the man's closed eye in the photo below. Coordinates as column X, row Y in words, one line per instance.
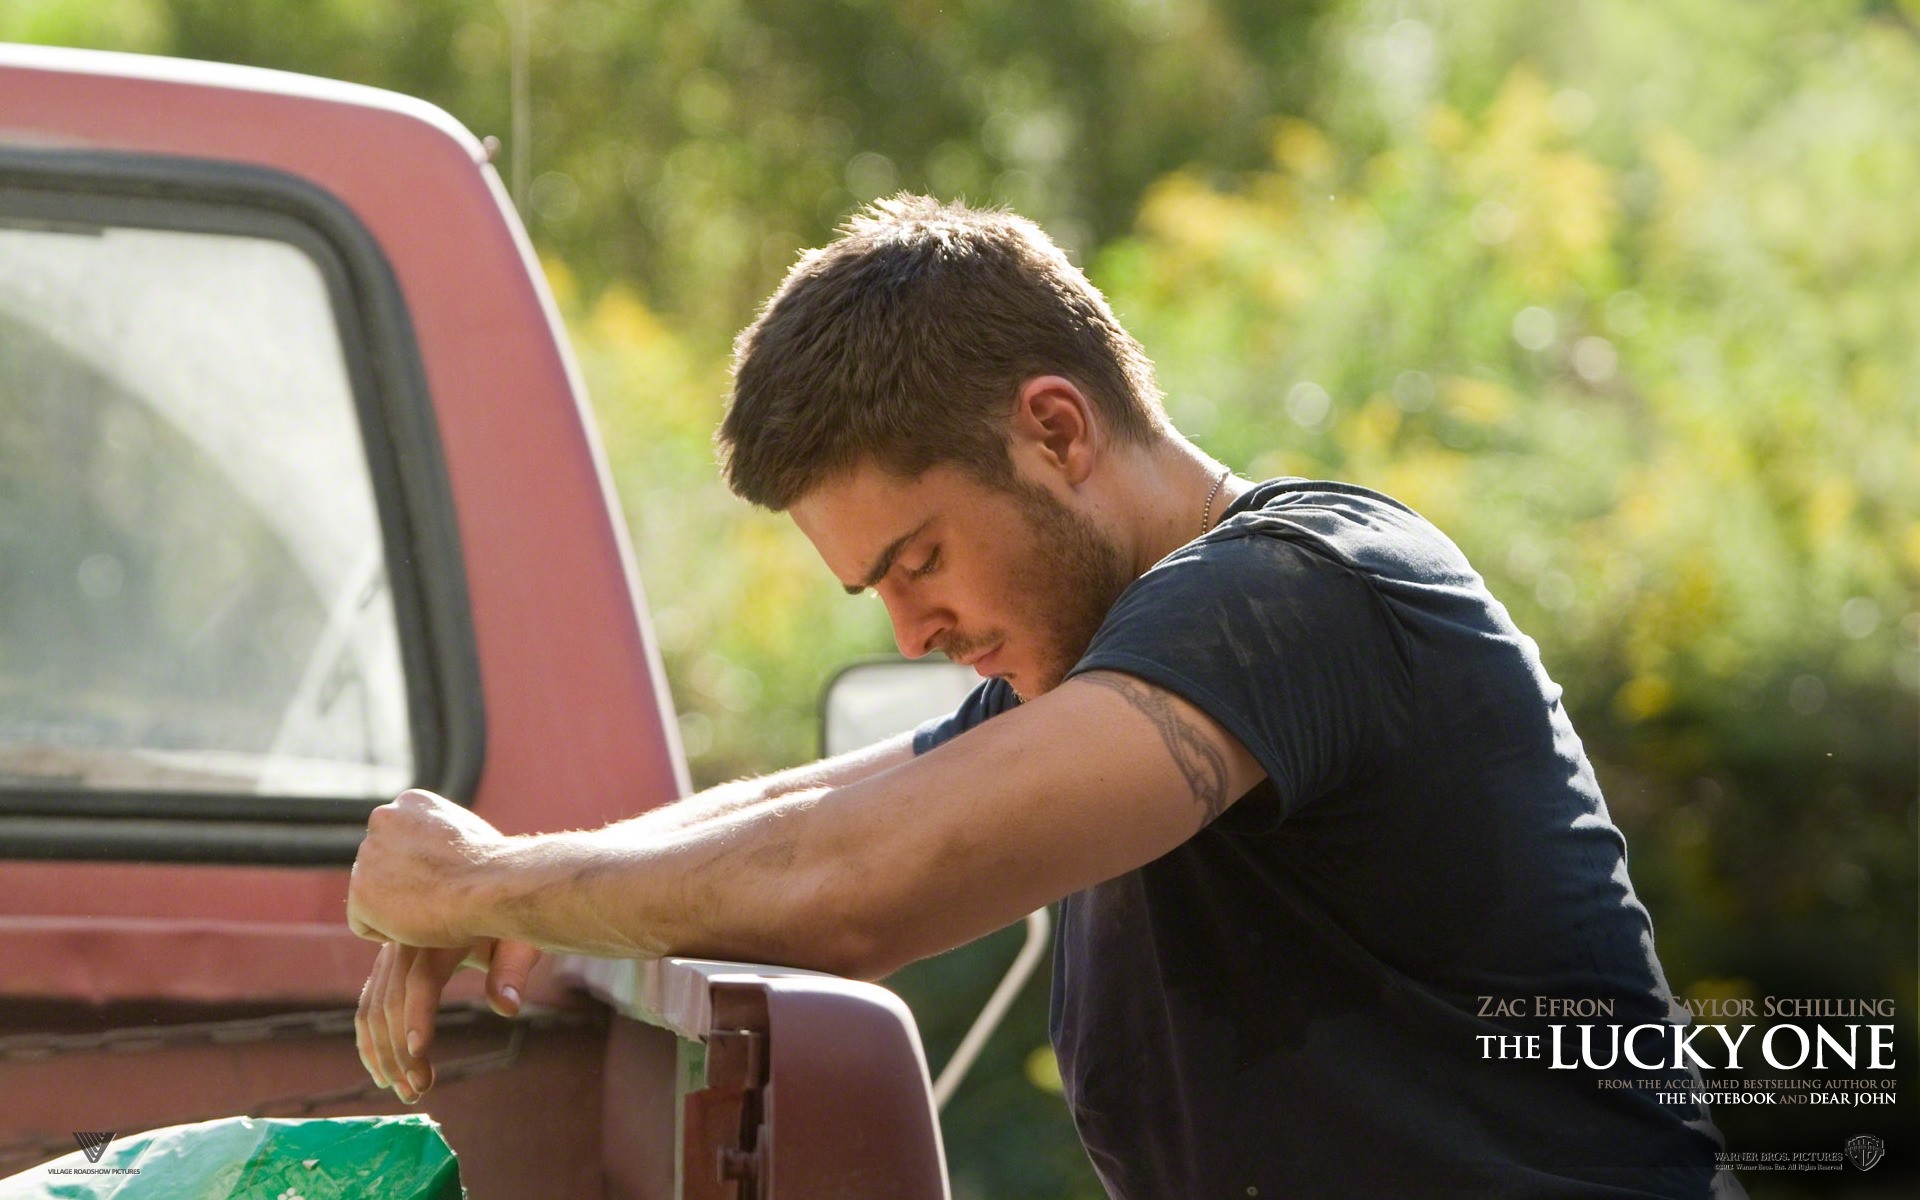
column 926, row 568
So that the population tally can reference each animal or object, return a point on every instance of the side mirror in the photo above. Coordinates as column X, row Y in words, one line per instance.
column 869, row 701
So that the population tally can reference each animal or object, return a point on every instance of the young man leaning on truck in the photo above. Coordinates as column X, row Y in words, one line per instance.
column 1306, row 796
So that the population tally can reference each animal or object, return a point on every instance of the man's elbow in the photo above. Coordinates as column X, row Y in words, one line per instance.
column 849, row 927
column 856, row 954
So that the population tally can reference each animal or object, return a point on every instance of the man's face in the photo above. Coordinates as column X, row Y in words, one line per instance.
column 1010, row 582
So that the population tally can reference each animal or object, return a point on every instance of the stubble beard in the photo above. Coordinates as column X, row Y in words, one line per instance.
column 1072, row 573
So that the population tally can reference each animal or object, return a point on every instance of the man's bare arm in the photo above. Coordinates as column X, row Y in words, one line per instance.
column 728, row 798
column 1194, row 749
column 1094, row 779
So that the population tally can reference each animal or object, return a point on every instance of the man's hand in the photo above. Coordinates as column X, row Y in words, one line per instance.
column 415, row 871
column 394, row 1026
column 410, row 881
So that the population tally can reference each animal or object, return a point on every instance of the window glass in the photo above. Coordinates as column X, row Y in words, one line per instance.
column 193, row 590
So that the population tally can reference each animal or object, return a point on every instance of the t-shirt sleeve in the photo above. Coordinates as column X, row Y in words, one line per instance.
column 1289, row 649
column 990, row 699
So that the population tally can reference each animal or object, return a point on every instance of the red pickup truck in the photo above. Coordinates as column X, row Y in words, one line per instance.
column 300, row 505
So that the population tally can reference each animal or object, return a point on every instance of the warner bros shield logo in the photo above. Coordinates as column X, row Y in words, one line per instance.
column 93, row 1145
column 1866, row 1151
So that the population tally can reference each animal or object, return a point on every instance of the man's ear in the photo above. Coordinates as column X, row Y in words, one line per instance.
column 1055, row 421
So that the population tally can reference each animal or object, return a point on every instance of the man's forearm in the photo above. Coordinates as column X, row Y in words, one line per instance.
column 718, row 801
column 738, row 881
column 728, row 799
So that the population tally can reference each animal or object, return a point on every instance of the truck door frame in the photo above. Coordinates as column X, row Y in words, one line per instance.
column 418, row 523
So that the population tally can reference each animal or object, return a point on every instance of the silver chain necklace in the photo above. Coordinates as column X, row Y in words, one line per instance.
column 1206, row 514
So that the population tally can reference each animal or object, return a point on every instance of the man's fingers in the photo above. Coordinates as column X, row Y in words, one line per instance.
column 507, row 975
column 362, row 1021
column 386, row 1062
column 406, row 1074
column 426, row 979
column 419, row 1000
column 394, row 1024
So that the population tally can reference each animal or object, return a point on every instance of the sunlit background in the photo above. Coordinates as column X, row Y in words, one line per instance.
column 1624, row 296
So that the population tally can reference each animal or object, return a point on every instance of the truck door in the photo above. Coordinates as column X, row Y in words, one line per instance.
column 297, row 509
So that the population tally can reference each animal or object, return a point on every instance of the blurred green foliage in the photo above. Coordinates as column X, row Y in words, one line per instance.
column 1624, row 296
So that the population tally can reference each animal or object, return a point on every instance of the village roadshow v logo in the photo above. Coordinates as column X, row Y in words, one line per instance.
column 93, row 1145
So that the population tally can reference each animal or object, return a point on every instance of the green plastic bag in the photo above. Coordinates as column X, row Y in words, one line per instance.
column 243, row 1158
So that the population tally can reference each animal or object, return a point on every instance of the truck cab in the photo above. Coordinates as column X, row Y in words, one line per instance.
column 300, row 506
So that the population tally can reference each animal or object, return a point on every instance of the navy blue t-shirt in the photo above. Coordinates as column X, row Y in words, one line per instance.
column 1290, row 1002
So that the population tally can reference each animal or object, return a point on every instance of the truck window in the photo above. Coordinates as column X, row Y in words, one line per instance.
column 194, row 595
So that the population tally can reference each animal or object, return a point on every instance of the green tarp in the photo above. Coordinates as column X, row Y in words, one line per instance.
column 243, row 1158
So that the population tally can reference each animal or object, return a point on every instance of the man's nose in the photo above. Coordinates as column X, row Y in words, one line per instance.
column 916, row 625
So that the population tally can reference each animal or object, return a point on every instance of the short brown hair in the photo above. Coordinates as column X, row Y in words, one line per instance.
column 905, row 341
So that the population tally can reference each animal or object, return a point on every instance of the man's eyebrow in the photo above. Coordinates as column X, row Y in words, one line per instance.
column 884, row 563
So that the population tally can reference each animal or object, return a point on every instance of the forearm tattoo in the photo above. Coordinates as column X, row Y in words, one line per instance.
column 1193, row 752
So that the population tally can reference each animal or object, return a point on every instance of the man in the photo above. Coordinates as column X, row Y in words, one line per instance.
column 1307, row 798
